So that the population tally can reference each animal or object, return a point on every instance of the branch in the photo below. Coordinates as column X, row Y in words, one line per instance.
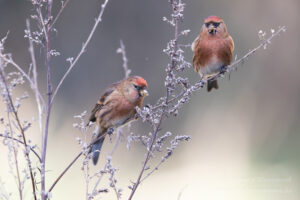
column 31, row 82
column 15, row 157
column 176, row 17
column 228, row 69
column 64, row 4
column 94, row 191
column 2, row 75
column 263, row 44
column 34, row 71
column 83, row 49
column 73, row 161
column 28, row 146
column 46, row 28
column 122, row 51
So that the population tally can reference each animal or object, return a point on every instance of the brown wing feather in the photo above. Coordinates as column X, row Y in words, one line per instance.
column 99, row 105
column 225, row 51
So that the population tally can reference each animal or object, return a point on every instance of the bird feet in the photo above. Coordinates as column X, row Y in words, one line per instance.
column 223, row 69
column 110, row 131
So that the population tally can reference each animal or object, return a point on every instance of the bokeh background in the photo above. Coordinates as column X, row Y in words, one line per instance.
column 245, row 136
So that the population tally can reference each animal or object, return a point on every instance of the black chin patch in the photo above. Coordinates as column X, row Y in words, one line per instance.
column 212, row 32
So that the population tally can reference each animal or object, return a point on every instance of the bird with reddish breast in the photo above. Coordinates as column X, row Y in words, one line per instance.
column 115, row 108
column 213, row 50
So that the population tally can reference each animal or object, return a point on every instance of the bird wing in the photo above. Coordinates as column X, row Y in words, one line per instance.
column 102, row 101
column 225, row 52
column 194, row 43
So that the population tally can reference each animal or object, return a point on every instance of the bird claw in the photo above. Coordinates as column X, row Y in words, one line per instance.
column 223, row 69
column 110, row 131
column 201, row 82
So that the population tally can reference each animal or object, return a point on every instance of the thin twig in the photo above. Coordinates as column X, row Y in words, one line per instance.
column 31, row 82
column 83, row 49
column 64, row 4
column 109, row 155
column 19, row 141
column 152, row 171
column 15, row 157
column 2, row 74
column 46, row 28
column 122, row 51
column 148, row 155
column 265, row 42
column 73, row 161
column 157, row 128
column 34, row 72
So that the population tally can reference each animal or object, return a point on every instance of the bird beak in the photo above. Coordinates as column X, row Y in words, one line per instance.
column 212, row 30
column 144, row 92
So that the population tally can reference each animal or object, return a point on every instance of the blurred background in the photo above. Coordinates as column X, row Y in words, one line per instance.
column 245, row 136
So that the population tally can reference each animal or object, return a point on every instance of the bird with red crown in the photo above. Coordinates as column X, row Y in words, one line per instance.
column 213, row 50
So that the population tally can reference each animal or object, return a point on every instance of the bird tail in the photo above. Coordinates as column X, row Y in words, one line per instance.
column 95, row 150
column 212, row 84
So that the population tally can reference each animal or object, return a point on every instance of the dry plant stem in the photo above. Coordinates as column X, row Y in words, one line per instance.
column 18, row 175
column 2, row 74
column 46, row 29
column 152, row 171
column 124, row 58
column 83, row 49
column 34, row 72
column 265, row 42
column 157, row 128
column 16, row 160
column 59, row 13
column 110, row 154
column 63, row 173
column 32, row 83
column 72, row 162
column 138, row 181
column 28, row 146
column 230, row 67
column 246, row 56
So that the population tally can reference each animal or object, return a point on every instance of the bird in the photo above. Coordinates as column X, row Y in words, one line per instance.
column 213, row 50
column 116, row 107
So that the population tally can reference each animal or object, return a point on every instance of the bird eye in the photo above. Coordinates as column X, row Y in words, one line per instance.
column 216, row 24
column 207, row 25
column 136, row 87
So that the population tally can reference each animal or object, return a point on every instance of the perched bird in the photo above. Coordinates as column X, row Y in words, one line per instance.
column 116, row 107
column 213, row 50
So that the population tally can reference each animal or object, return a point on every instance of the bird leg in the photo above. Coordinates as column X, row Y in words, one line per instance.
column 110, row 131
column 223, row 69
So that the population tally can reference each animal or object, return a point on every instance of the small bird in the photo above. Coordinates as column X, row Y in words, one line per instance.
column 213, row 50
column 116, row 107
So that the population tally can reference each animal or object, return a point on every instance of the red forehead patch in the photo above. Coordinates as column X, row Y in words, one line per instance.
column 213, row 19
column 141, row 82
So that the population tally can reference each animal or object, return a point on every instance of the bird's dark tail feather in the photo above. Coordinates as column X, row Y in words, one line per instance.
column 211, row 85
column 95, row 150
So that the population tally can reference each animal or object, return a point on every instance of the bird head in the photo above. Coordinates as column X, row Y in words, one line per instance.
column 135, row 88
column 140, row 86
column 214, row 26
